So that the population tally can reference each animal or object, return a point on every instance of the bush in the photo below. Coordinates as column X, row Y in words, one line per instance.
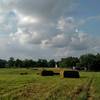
column 47, row 73
column 70, row 74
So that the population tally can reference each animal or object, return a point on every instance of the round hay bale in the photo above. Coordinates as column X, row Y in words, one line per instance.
column 69, row 74
column 23, row 73
column 56, row 73
column 47, row 73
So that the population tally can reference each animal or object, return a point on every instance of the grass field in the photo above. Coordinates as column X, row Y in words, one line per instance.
column 32, row 86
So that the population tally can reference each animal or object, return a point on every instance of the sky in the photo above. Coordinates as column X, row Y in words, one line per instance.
column 50, row 29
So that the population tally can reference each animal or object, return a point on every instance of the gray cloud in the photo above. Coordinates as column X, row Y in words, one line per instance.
column 43, row 28
column 67, row 40
column 44, row 8
column 26, row 37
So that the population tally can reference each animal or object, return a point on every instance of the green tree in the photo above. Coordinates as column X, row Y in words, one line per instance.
column 18, row 63
column 3, row 63
column 11, row 62
column 51, row 63
column 88, row 61
column 42, row 63
column 68, row 62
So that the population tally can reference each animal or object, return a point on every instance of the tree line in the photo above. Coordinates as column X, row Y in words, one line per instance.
column 27, row 63
column 89, row 61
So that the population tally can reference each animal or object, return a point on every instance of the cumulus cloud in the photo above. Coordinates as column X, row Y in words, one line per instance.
column 25, row 20
column 59, row 41
column 4, row 6
column 66, row 24
column 44, row 8
column 26, row 37
column 80, row 43
column 44, row 26
column 8, row 23
column 77, row 41
column 67, row 40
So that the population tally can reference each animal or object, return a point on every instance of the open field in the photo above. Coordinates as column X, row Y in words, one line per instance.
column 14, row 86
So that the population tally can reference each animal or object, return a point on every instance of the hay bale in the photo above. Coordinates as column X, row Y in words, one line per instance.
column 23, row 73
column 47, row 73
column 69, row 74
column 35, row 68
column 56, row 73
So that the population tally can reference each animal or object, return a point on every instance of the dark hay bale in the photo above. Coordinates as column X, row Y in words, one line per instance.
column 35, row 69
column 38, row 73
column 23, row 73
column 56, row 73
column 70, row 74
column 47, row 73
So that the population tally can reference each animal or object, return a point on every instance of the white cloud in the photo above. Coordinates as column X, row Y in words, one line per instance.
column 80, row 43
column 66, row 24
column 87, row 20
column 25, row 20
column 59, row 41
column 26, row 37
column 45, row 8
column 69, row 40
column 43, row 26
column 6, row 5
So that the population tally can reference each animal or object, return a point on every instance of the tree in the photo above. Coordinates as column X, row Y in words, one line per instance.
column 27, row 63
column 51, row 63
column 11, row 62
column 42, row 63
column 18, row 63
column 97, row 63
column 88, row 61
column 3, row 63
column 69, row 62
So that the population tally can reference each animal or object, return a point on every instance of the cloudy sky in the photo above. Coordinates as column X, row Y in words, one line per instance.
column 49, row 28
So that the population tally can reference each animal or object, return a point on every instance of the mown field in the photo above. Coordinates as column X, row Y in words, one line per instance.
column 14, row 86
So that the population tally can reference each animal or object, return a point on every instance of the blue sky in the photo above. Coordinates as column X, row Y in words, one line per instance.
column 49, row 28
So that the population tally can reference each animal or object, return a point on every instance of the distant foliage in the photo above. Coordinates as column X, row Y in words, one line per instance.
column 3, row 63
column 27, row 63
column 90, row 62
column 69, row 62
column 51, row 63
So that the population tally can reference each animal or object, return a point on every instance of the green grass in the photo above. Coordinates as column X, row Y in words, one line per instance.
column 14, row 86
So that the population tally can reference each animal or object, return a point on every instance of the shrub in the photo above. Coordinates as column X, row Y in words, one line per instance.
column 47, row 73
column 70, row 74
